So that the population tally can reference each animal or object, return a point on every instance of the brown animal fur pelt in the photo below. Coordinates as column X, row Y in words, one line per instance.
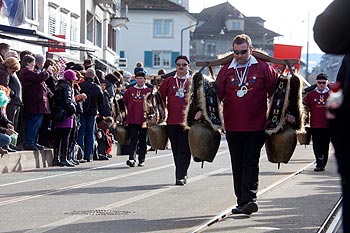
column 288, row 93
column 154, row 105
column 203, row 97
column 119, row 108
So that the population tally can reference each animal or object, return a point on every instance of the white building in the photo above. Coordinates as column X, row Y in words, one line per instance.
column 80, row 29
column 157, row 32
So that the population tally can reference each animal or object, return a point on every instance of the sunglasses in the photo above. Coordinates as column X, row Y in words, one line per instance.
column 181, row 64
column 321, row 82
column 240, row 51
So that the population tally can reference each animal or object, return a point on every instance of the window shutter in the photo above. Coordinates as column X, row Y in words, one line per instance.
column 174, row 55
column 148, row 59
column 52, row 24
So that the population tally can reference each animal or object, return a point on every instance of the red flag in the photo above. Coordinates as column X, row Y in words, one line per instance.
column 284, row 51
column 55, row 49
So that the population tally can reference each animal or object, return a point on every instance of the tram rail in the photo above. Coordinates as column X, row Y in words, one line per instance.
column 331, row 224
column 333, row 221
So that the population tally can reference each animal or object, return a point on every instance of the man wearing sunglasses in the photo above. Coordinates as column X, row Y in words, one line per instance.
column 315, row 102
column 174, row 91
column 244, row 86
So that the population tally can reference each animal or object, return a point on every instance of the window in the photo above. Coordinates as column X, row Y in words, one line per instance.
column 111, row 38
column 74, row 24
column 93, row 29
column 90, row 27
column 161, row 58
column 163, row 28
column 63, row 24
column 74, row 28
column 211, row 49
column 52, row 23
column 30, row 9
column 98, row 34
column 235, row 24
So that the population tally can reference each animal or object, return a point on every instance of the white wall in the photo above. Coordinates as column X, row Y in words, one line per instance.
column 139, row 36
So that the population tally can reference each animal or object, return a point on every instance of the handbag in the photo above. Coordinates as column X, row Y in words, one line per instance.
column 14, row 137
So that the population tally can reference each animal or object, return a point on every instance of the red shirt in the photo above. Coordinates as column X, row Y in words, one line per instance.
column 175, row 105
column 316, row 103
column 246, row 113
column 133, row 99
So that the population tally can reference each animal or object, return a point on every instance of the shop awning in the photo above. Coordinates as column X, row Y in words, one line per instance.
column 38, row 38
column 104, row 63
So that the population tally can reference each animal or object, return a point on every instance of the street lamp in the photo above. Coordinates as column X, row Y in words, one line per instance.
column 182, row 32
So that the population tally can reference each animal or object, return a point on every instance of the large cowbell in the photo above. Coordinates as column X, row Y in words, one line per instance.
column 204, row 136
column 281, row 135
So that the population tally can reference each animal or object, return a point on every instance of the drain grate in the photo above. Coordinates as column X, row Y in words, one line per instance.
column 99, row 212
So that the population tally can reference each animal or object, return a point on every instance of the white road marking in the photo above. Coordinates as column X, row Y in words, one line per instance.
column 74, row 172
column 124, row 202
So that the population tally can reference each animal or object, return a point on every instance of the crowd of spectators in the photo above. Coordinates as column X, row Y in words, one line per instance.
column 63, row 105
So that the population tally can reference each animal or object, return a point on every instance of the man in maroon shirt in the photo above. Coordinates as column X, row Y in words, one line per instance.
column 315, row 102
column 243, row 86
column 174, row 91
column 133, row 99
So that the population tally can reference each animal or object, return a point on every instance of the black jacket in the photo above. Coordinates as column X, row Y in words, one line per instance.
column 62, row 99
column 106, row 108
column 94, row 101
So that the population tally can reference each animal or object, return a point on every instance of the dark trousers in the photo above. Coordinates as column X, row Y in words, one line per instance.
column 181, row 150
column 339, row 128
column 72, row 141
column 45, row 131
column 137, row 142
column 12, row 112
column 245, row 148
column 320, row 143
column 62, row 139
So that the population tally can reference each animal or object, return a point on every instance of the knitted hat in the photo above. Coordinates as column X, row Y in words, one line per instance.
column 69, row 75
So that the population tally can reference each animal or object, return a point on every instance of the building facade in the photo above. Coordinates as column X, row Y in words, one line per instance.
column 157, row 32
column 75, row 30
column 219, row 24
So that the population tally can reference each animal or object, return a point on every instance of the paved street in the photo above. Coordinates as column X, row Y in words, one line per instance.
column 108, row 196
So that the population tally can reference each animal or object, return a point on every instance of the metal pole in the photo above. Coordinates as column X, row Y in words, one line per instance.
column 182, row 32
column 307, row 47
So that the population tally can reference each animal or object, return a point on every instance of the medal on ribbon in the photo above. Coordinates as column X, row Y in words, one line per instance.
column 180, row 89
column 241, row 92
column 243, row 88
column 180, row 93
